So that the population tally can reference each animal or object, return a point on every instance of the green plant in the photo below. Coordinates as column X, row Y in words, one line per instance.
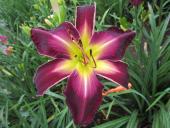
column 145, row 105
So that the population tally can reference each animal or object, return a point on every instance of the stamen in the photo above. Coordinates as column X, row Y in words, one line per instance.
column 80, row 43
column 80, row 46
column 91, row 54
column 85, row 57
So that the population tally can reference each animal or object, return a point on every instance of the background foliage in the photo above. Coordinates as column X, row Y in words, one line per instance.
column 146, row 105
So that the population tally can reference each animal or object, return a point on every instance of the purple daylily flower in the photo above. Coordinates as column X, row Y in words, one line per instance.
column 4, row 39
column 136, row 2
column 80, row 54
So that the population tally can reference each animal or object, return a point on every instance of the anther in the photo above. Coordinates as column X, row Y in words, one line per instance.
column 91, row 54
column 80, row 43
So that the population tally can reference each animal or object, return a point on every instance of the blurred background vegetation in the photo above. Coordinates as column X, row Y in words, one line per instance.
column 146, row 105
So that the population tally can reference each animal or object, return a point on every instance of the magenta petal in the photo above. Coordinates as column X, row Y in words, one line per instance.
column 111, row 44
column 85, row 21
column 115, row 71
column 136, row 2
column 83, row 97
column 71, row 30
column 3, row 38
column 50, row 74
column 54, row 43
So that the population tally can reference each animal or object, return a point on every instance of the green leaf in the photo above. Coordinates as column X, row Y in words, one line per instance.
column 133, row 120
column 117, row 123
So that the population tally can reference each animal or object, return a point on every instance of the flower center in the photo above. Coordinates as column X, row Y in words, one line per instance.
column 85, row 56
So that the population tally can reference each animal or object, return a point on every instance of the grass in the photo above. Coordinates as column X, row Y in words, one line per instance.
column 146, row 105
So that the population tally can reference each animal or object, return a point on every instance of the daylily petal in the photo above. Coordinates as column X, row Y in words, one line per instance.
column 85, row 22
column 4, row 39
column 83, row 96
column 115, row 71
column 51, row 73
column 55, row 43
column 136, row 2
column 111, row 44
